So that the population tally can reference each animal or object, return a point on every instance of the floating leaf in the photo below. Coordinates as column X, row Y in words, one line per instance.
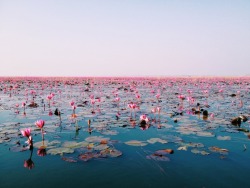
column 223, row 137
column 204, row 153
column 218, row 150
column 41, row 143
column 73, row 144
column 109, row 132
column 154, row 140
column 69, row 159
column 60, row 151
column 96, row 139
column 197, row 145
column 111, row 152
column 182, row 148
column 195, row 151
column 205, row 134
column 135, row 143
column 101, row 147
column 87, row 156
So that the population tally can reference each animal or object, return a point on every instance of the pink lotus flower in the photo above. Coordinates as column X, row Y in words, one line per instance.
column 32, row 92
column 26, row 132
column 181, row 97
column 158, row 109
column 205, row 91
column 117, row 99
column 132, row 106
column 158, row 96
column 49, row 97
column 92, row 101
column 40, row 123
column 153, row 110
column 72, row 103
column 145, row 118
column 50, row 113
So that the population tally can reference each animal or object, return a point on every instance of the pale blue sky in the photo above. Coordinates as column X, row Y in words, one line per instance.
column 124, row 38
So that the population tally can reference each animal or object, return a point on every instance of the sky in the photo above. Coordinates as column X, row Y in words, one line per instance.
column 124, row 38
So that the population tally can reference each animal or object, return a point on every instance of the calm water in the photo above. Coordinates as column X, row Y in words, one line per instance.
column 207, row 153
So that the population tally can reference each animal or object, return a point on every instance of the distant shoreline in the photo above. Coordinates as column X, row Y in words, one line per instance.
column 122, row 77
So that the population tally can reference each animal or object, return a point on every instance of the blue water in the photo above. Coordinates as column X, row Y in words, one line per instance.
column 132, row 168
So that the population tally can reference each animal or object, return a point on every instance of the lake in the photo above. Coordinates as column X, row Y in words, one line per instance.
column 124, row 132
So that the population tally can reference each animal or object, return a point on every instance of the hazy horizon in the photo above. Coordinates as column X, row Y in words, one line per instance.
column 124, row 38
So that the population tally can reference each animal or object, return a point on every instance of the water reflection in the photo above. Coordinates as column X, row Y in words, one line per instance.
column 29, row 163
column 42, row 151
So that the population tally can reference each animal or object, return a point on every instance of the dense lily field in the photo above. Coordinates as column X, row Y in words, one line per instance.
column 143, row 132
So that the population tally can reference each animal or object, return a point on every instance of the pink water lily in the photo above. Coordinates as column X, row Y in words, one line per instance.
column 50, row 113
column 26, row 132
column 158, row 109
column 72, row 103
column 138, row 96
column 49, row 97
column 158, row 96
column 153, row 110
column 132, row 106
column 40, row 123
column 145, row 118
column 181, row 97
column 92, row 101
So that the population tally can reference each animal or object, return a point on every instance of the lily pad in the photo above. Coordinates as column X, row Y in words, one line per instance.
column 136, row 143
column 182, row 148
column 101, row 147
column 223, row 137
column 96, row 139
column 69, row 159
column 73, row 144
column 218, row 150
column 59, row 151
column 154, row 140
column 87, row 156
